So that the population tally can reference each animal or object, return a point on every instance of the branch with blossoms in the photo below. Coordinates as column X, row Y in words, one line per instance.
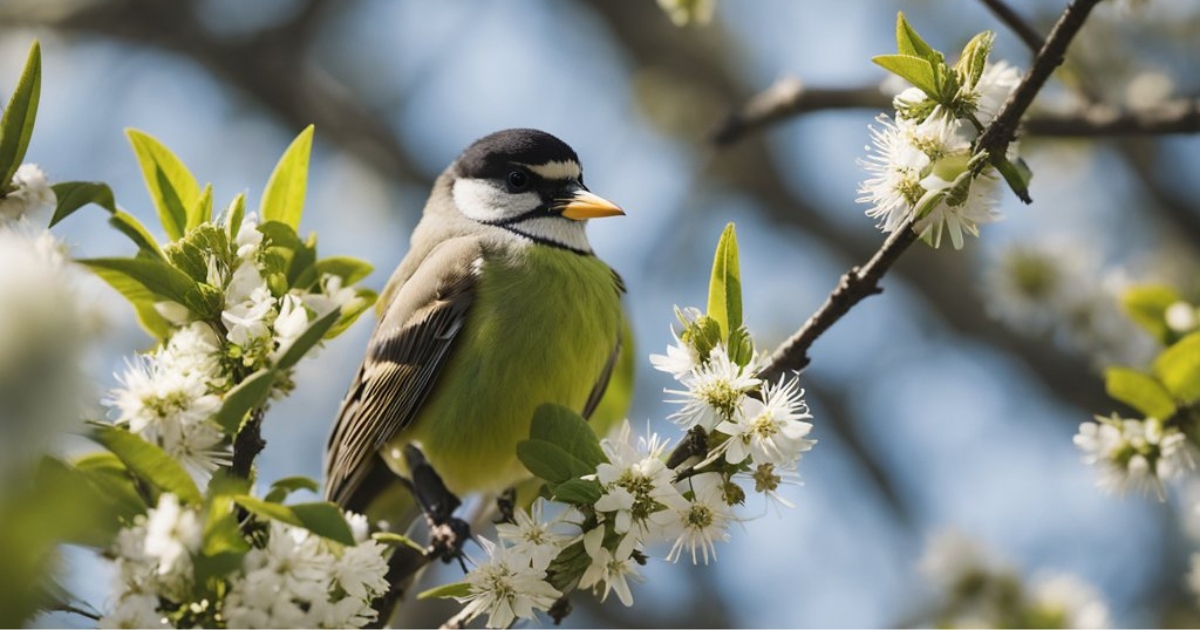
column 936, row 163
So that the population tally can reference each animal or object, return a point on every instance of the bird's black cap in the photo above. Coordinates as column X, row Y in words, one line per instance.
column 493, row 156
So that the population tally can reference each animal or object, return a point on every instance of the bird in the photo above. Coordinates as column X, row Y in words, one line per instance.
column 500, row 306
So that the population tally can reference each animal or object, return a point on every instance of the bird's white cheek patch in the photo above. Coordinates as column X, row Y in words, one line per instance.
column 484, row 202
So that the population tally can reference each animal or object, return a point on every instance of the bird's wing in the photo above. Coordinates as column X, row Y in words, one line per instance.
column 404, row 356
column 597, row 393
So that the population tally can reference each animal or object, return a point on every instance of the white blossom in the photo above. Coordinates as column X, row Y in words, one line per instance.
column 637, row 485
column 705, row 519
column 895, row 169
column 173, row 534
column 361, row 570
column 45, row 327
column 28, row 192
column 610, row 569
column 506, row 588
column 1067, row 598
column 153, row 396
column 1135, row 454
column 769, row 431
column 249, row 239
column 681, row 358
column 714, row 391
column 531, row 538
column 1181, row 317
column 977, row 209
column 289, row 324
column 332, row 295
column 993, row 88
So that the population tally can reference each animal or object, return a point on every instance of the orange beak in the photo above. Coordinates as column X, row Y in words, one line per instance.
column 586, row 205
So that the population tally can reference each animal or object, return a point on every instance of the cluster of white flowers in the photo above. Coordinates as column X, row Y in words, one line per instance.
column 300, row 580
column 28, row 192
column 756, row 431
column 1056, row 288
column 1135, row 454
column 925, row 149
column 295, row 579
column 45, row 325
column 170, row 395
column 261, row 326
column 980, row 590
column 154, row 560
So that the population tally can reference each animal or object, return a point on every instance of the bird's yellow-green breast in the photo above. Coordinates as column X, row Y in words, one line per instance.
column 542, row 327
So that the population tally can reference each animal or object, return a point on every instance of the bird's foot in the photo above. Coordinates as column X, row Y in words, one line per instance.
column 448, row 533
column 505, row 504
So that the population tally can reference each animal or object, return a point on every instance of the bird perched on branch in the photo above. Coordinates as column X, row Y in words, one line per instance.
column 499, row 307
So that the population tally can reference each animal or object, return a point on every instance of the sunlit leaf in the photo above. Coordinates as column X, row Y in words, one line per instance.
column 283, row 198
column 16, row 125
column 148, row 462
column 172, row 187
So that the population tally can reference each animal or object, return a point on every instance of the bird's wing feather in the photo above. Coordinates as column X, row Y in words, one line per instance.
column 597, row 393
column 404, row 357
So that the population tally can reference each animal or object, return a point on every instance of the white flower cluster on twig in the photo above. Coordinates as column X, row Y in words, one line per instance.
column 924, row 153
column 1136, row 454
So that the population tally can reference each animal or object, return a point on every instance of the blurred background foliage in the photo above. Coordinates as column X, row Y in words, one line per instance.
column 932, row 413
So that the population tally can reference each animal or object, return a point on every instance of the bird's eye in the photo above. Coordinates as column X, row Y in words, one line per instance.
column 517, row 181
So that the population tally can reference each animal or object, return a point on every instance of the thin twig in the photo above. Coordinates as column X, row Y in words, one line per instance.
column 854, row 286
column 1003, row 130
column 1180, row 116
column 1014, row 21
column 788, row 98
column 858, row 283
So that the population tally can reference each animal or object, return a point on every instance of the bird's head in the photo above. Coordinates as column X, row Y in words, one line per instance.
column 528, row 183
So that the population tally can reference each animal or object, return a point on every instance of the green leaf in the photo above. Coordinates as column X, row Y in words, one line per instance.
column 1139, row 391
column 725, row 288
column 1147, row 305
column 578, row 492
column 321, row 518
column 326, row 520
column 75, row 195
column 363, row 300
column 148, row 462
column 201, row 210
column 568, row 430
column 908, row 42
column 172, row 187
column 283, row 487
column 248, row 394
column 110, row 479
column 283, row 199
column 550, row 462
column 349, row 269
column 1017, row 175
column 163, row 280
column 915, row 70
column 234, row 215
column 128, row 225
column 16, row 125
column 307, row 339
column 446, row 591
column 974, row 58
column 140, row 298
column 1178, row 367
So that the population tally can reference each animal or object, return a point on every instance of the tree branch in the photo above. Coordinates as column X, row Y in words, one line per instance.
column 248, row 444
column 1028, row 35
column 857, row 283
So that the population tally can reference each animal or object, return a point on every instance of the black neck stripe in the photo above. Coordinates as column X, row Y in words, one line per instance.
column 541, row 240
